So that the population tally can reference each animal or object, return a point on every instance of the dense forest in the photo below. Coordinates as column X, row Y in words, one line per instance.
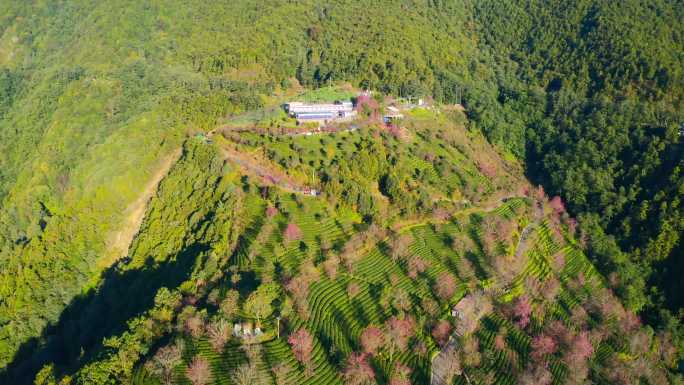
column 587, row 95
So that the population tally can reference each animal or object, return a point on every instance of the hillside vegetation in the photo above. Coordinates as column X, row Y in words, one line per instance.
column 362, row 278
column 584, row 98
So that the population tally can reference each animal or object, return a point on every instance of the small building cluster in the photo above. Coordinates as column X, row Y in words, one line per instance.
column 310, row 191
column 245, row 330
column 320, row 113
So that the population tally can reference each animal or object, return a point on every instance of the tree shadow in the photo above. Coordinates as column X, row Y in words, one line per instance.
column 77, row 337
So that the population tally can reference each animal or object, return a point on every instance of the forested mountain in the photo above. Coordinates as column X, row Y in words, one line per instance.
column 98, row 98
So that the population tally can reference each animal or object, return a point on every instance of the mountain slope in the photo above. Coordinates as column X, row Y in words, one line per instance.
column 94, row 94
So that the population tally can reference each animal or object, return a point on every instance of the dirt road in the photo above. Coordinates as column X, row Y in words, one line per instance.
column 120, row 241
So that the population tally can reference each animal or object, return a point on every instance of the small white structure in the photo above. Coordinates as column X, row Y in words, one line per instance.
column 237, row 330
column 393, row 114
column 458, row 310
column 257, row 331
column 247, row 329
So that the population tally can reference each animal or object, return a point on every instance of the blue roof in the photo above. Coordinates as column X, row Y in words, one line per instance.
column 314, row 115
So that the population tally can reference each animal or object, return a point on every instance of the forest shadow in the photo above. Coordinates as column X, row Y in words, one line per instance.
column 77, row 337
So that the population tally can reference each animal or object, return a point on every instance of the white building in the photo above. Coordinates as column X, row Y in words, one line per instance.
column 320, row 112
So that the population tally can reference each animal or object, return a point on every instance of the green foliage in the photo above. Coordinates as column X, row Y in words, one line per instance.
column 93, row 94
column 258, row 304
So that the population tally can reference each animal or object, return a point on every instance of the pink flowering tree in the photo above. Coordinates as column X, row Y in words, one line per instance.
column 445, row 286
column 372, row 339
column 292, row 232
column 301, row 343
column 581, row 349
column 522, row 310
column 543, row 345
column 398, row 331
column 487, row 168
column 416, row 266
column 271, row 211
column 576, row 357
column 441, row 332
column 358, row 371
column 401, row 375
column 353, row 289
column 557, row 205
column 199, row 371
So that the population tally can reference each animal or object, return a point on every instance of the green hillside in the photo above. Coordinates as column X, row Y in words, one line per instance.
column 108, row 194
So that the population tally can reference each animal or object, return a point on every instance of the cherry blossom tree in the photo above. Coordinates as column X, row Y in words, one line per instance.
column 246, row 374
column 416, row 266
column 219, row 334
column 292, row 232
column 358, row 371
column 401, row 375
column 572, row 226
column 399, row 246
column 353, row 289
column 441, row 332
column 557, row 205
column 199, row 371
column 401, row 300
column 301, row 343
column 522, row 310
column 430, row 306
column 331, row 265
column 164, row 361
column 451, row 365
column 281, row 371
column 445, row 286
column 536, row 375
column 539, row 193
column 500, row 339
column 372, row 339
column 271, row 211
column 543, row 345
column 559, row 332
column 487, row 168
column 581, row 348
column 558, row 261
column 195, row 325
column 299, row 288
column 470, row 348
column 229, row 304
column 397, row 334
